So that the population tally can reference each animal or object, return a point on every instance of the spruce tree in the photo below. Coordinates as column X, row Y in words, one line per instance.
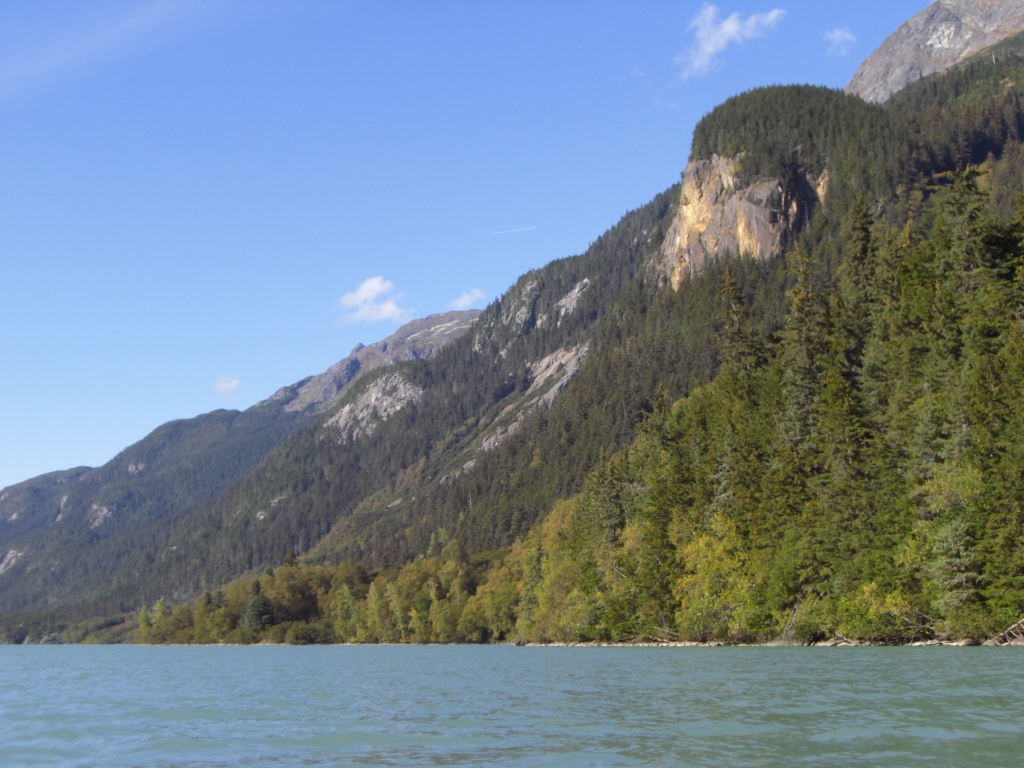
column 259, row 613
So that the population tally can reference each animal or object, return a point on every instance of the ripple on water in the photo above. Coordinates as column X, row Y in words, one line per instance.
column 498, row 705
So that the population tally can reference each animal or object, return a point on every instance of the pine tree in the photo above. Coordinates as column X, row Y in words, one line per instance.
column 740, row 344
column 259, row 613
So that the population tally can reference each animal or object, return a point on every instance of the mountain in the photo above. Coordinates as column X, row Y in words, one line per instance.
column 945, row 33
column 764, row 418
column 776, row 402
column 797, row 421
column 480, row 441
column 64, row 533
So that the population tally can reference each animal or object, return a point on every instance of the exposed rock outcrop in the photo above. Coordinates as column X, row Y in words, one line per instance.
column 99, row 514
column 8, row 560
column 519, row 314
column 384, row 397
column 516, row 317
column 567, row 304
column 565, row 362
column 717, row 218
column 943, row 34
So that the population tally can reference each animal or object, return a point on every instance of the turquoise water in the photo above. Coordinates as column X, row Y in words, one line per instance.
column 499, row 705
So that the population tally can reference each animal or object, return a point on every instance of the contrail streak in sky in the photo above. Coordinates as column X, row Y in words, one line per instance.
column 506, row 231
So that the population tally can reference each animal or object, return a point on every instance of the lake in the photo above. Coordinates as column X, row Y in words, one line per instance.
column 501, row 705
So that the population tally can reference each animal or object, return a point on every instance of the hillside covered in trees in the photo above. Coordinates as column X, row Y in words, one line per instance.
column 828, row 443
column 858, row 474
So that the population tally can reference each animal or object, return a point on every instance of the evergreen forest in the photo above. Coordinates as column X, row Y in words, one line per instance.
column 828, row 444
column 857, row 474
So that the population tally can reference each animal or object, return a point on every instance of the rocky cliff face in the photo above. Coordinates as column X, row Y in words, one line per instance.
column 418, row 339
column 715, row 217
column 943, row 34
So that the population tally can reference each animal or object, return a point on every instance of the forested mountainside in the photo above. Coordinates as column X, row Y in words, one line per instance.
column 791, row 445
column 65, row 530
column 858, row 475
column 63, row 535
column 495, row 432
column 433, row 433
column 324, row 472
column 845, row 456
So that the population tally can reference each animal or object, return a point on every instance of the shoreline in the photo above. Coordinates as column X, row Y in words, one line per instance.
column 824, row 644
column 583, row 644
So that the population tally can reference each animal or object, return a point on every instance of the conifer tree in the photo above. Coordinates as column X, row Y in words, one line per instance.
column 259, row 613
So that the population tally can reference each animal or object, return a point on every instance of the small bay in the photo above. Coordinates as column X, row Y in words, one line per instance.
column 500, row 705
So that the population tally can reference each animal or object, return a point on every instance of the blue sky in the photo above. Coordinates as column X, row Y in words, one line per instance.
column 203, row 201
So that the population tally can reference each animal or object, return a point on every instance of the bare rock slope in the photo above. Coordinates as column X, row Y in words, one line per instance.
column 943, row 34
column 386, row 396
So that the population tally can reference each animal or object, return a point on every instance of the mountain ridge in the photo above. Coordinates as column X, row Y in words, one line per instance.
column 420, row 338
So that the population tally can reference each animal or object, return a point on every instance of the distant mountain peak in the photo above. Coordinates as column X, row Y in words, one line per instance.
column 943, row 34
column 417, row 339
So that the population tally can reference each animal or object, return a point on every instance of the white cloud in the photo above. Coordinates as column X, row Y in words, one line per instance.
column 467, row 299
column 374, row 300
column 839, row 40
column 227, row 386
column 713, row 35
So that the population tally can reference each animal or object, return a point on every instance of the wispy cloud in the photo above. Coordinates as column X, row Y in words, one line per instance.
column 85, row 39
column 227, row 386
column 714, row 34
column 375, row 299
column 840, row 40
column 467, row 299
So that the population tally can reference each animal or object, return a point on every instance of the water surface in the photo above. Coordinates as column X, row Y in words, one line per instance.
column 499, row 705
